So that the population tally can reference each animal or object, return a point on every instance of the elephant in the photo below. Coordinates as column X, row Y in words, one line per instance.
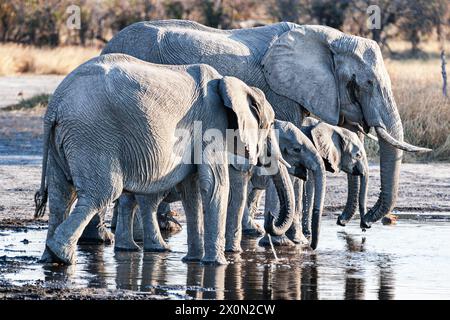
column 302, row 69
column 117, row 124
column 296, row 148
column 300, row 153
column 341, row 150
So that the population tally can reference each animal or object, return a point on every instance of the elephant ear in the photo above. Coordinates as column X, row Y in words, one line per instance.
column 329, row 145
column 250, row 113
column 300, row 66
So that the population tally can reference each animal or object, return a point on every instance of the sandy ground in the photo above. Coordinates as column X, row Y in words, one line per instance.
column 13, row 89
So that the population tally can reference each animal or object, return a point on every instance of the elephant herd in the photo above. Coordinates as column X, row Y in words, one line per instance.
column 212, row 118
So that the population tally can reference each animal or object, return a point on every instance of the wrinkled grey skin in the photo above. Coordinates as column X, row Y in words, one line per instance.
column 128, row 234
column 299, row 151
column 338, row 77
column 301, row 154
column 341, row 150
column 111, row 127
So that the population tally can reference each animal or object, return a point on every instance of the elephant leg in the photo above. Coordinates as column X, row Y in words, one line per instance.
column 96, row 231
column 295, row 232
column 237, row 200
column 272, row 206
column 192, row 203
column 63, row 243
column 125, row 223
column 352, row 200
column 114, row 216
column 214, row 187
column 61, row 196
column 148, row 206
column 308, row 196
column 249, row 226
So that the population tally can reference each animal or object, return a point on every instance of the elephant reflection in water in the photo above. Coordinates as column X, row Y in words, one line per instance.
column 154, row 272
column 128, row 266
column 355, row 281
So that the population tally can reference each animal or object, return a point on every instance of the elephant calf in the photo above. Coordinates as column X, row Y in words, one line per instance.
column 112, row 126
column 340, row 150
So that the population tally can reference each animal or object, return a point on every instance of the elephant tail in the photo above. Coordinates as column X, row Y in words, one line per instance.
column 41, row 196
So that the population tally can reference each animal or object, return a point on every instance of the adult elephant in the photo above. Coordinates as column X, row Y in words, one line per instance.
column 117, row 125
column 302, row 69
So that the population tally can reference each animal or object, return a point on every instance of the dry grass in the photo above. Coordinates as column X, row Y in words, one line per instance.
column 19, row 59
column 425, row 112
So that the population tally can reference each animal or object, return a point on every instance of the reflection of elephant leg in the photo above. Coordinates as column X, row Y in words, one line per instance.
column 148, row 205
column 96, row 231
column 295, row 232
column 272, row 205
column 192, row 204
column 249, row 226
column 194, row 279
column 124, row 228
column 214, row 277
column 307, row 206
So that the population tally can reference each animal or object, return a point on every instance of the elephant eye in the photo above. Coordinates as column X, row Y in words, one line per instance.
column 297, row 150
column 369, row 82
column 358, row 155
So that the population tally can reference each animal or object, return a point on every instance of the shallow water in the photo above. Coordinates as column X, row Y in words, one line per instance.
column 410, row 260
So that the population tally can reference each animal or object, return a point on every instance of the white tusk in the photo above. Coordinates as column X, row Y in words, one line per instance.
column 284, row 162
column 370, row 136
column 398, row 144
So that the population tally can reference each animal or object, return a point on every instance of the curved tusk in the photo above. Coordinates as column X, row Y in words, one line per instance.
column 371, row 136
column 398, row 144
column 284, row 162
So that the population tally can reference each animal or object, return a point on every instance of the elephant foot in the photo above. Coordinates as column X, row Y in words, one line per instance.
column 167, row 222
column 96, row 236
column 298, row 238
column 214, row 260
column 255, row 230
column 157, row 247
column 47, row 256
column 233, row 248
column 280, row 241
column 192, row 258
column 60, row 253
column 126, row 245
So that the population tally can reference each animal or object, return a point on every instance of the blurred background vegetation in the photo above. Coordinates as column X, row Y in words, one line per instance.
column 34, row 38
column 43, row 22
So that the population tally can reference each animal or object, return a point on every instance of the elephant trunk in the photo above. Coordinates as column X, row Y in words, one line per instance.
column 390, row 161
column 285, row 191
column 364, row 182
column 352, row 200
column 319, row 196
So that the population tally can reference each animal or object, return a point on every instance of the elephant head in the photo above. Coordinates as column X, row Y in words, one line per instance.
column 343, row 150
column 254, row 118
column 300, row 152
column 341, row 79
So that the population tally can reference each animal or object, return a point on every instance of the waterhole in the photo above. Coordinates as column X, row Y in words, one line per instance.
column 409, row 260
